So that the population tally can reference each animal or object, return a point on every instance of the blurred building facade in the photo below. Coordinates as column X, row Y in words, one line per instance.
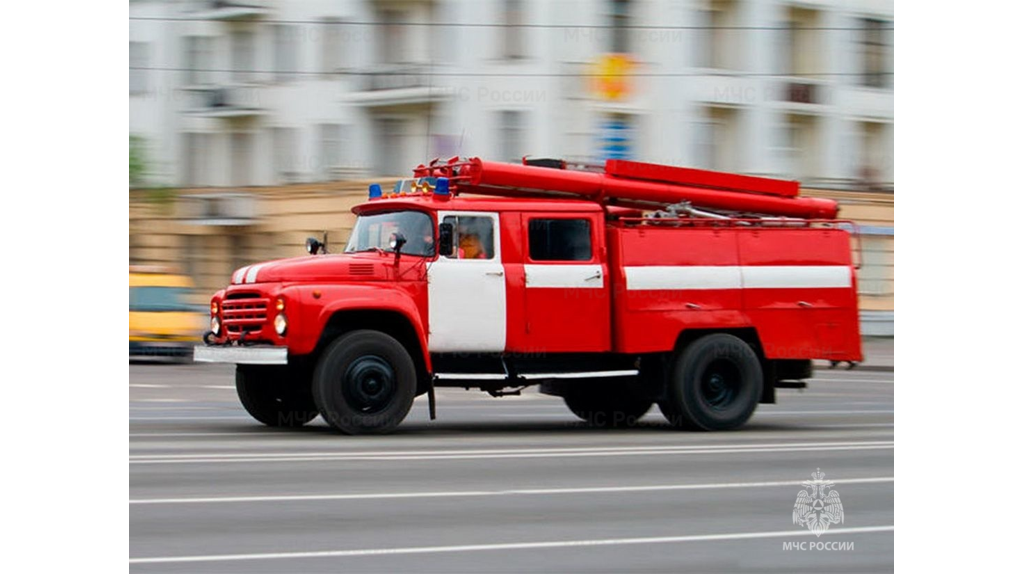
column 230, row 97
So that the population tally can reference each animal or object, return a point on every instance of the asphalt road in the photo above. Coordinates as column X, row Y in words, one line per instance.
column 513, row 484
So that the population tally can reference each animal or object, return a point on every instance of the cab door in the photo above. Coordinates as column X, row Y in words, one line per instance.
column 567, row 288
column 466, row 291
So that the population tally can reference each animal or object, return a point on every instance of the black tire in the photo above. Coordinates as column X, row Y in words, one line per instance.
column 607, row 405
column 714, row 384
column 268, row 394
column 364, row 383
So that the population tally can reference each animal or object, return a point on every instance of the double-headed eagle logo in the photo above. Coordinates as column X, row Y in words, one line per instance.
column 818, row 507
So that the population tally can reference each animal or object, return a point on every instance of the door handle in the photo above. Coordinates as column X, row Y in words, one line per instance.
column 693, row 306
column 496, row 273
column 594, row 276
column 804, row 304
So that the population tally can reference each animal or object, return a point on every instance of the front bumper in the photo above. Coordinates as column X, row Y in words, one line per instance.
column 252, row 355
column 160, row 348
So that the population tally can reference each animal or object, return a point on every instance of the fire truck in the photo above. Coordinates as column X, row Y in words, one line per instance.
column 614, row 287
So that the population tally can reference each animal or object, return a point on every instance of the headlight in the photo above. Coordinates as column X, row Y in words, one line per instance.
column 215, row 325
column 280, row 324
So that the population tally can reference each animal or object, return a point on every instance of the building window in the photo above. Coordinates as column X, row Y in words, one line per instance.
column 511, row 130
column 243, row 56
column 332, row 48
column 285, row 154
column 138, row 60
column 196, row 155
column 800, row 52
column 198, row 60
column 560, row 240
column 241, row 158
column 877, row 50
column 513, row 32
column 394, row 39
column 703, row 134
column 391, row 134
column 285, row 52
column 718, row 42
column 331, row 149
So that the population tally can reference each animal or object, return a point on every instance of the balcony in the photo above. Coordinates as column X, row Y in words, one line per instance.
column 398, row 84
column 226, row 11
column 801, row 94
column 240, row 101
column 220, row 209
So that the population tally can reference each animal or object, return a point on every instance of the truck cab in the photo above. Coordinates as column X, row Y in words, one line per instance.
column 601, row 304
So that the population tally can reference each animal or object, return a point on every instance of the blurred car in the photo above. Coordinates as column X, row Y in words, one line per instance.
column 161, row 320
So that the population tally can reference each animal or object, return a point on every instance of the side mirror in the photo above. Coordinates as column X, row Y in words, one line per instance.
column 397, row 241
column 313, row 246
column 445, row 232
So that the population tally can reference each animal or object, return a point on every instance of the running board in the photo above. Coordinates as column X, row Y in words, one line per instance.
column 580, row 375
column 534, row 376
column 470, row 376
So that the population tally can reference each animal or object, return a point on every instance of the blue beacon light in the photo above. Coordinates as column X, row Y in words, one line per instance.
column 375, row 191
column 441, row 187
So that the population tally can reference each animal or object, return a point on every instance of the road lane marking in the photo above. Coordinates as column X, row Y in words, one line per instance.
column 507, row 453
column 508, row 492
column 868, row 381
column 760, row 411
column 507, row 546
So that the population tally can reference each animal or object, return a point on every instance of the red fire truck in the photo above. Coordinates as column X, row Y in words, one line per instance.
column 614, row 287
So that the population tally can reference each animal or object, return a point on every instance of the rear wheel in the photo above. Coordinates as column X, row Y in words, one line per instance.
column 714, row 384
column 365, row 383
column 268, row 394
column 607, row 405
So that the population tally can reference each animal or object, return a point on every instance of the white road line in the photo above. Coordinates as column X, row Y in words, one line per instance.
column 213, row 418
column 867, row 381
column 176, row 408
column 261, row 434
column 507, row 453
column 829, row 412
column 531, row 415
column 257, row 433
column 507, row 546
column 512, row 492
column 850, row 426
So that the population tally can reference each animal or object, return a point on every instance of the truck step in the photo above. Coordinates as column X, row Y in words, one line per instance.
column 470, row 376
column 535, row 376
column 579, row 375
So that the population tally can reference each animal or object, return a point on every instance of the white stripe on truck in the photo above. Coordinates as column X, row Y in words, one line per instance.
column 680, row 277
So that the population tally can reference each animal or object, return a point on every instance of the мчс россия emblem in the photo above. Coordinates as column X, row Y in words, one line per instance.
column 818, row 507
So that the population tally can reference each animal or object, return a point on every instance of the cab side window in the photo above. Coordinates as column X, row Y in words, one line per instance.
column 473, row 237
column 560, row 240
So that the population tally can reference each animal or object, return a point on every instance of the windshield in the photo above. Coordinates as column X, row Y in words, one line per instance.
column 157, row 299
column 373, row 232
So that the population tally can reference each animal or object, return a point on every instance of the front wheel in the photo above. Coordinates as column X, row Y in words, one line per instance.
column 714, row 384
column 365, row 383
column 271, row 398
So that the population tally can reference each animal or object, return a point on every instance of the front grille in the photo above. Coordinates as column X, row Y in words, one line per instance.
column 244, row 311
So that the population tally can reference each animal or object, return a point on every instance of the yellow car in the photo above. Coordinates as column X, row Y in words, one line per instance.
column 161, row 320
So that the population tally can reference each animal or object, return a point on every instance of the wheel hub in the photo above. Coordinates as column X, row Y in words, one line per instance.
column 369, row 384
column 720, row 384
